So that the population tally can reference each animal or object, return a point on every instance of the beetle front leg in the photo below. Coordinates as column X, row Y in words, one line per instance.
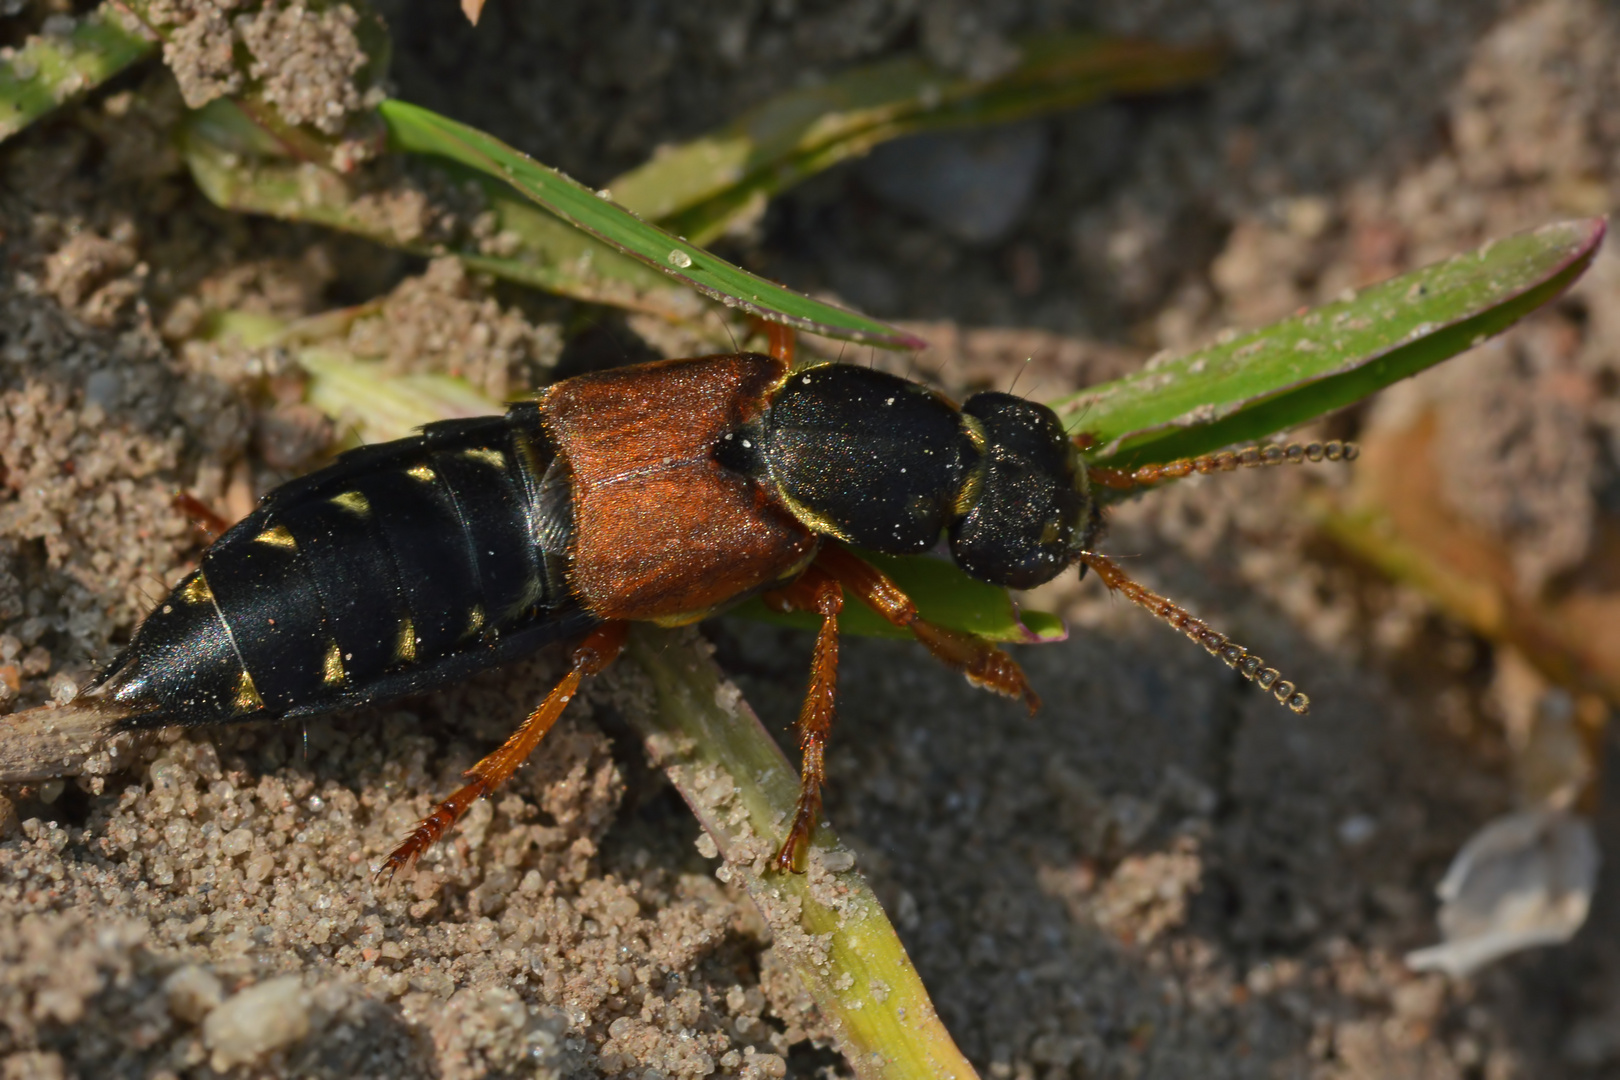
column 818, row 592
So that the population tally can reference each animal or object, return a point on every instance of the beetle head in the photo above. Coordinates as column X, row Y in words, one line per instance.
column 1030, row 514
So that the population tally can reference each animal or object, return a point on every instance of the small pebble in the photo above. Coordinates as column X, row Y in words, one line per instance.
column 37, row 661
column 63, row 687
column 193, row 993
column 257, row 1021
column 838, row 861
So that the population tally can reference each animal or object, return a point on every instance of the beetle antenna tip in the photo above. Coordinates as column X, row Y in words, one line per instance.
column 1217, row 644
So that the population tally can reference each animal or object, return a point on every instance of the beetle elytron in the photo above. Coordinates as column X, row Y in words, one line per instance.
column 660, row 492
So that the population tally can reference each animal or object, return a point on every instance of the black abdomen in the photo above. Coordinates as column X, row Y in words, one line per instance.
column 398, row 568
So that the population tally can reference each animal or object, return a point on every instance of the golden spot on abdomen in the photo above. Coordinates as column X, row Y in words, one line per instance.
column 196, row 590
column 247, row 695
column 354, row 502
column 332, row 672
column 277, row 536
column 405, row 647
column 492, row 458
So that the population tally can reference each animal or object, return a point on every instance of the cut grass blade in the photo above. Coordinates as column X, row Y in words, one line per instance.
column 1298, row 369
column 701, row 188
column 242, row 168
column 419, row 131
column 372, row 405
column 367, row 402
column 52, row 69
column 542, row 229
column 826, row 923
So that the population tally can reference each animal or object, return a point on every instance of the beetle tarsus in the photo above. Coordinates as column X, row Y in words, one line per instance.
column 791, row 857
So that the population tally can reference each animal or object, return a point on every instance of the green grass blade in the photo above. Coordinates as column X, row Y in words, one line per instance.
column 241, row 167
column 826, row 923
column 698, row 189
column 376, row 406
column 1298, row 369
column 420, row 131
column 52, row 69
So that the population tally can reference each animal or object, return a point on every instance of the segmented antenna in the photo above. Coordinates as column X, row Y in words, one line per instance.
column 1236, row 657
column 1250, row 457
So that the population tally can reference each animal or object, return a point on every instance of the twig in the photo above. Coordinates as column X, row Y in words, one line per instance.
column 52, row 741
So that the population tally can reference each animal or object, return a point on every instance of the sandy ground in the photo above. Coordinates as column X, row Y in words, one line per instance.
column 1161, row 875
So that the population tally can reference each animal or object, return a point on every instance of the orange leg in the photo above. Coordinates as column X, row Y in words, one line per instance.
column 982, row 663
column 818, row 592
column 783, row 342
column 202, row 516
column 599, row 649
column 1222, row 461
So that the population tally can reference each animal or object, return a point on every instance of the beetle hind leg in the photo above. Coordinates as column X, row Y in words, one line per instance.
column 599, row 649
column 818, row 592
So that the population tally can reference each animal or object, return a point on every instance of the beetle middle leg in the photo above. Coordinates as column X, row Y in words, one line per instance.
column 980, row 660
column 599, row 649
column 816, row 591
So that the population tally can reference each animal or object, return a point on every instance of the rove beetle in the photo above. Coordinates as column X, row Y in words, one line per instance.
column 661, row 492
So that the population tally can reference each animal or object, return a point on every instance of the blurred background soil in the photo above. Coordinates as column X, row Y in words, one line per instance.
column 1160, row 875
